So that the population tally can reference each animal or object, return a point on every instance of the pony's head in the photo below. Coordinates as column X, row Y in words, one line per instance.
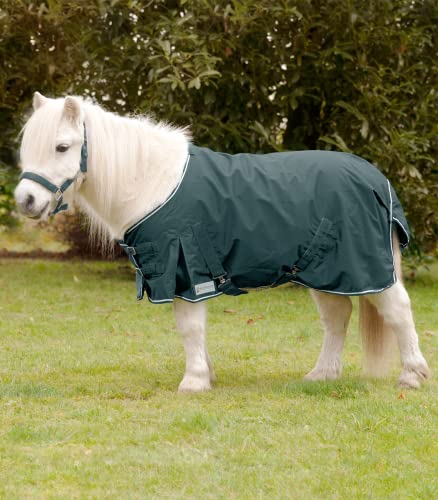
column 52, row 155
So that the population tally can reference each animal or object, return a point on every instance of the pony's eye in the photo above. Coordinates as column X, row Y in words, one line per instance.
column 62, row 148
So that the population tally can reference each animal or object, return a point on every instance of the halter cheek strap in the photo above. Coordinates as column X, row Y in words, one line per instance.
column 59, row 191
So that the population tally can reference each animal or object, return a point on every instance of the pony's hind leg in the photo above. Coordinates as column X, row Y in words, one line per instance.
column 394, row 306
column 191, row 321
column 334, row 311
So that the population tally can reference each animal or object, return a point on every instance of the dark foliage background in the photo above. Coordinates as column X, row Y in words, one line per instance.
column 249, row 75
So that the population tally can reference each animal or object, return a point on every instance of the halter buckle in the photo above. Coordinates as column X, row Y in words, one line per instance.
column 58, row 195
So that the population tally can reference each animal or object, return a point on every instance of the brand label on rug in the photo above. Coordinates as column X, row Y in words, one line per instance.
column 206, row 287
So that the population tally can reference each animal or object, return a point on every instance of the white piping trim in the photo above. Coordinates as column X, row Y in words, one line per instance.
column 146, row 217
column 404, row 230
column 200, row 298
column 164, row 301
column 350, row 294
column 363, row 292
column 390, row 232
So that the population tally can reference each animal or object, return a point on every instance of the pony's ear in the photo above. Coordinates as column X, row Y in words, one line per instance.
column 38, row 100
column 73, row 109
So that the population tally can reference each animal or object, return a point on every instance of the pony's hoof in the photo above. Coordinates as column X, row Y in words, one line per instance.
column 409, row 380
column 413, row 377
column 321, row 374
column 191, row 383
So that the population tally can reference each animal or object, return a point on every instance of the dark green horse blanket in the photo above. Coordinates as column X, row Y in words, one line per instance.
column 319, row 218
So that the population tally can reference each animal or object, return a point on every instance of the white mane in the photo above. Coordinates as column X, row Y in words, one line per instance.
column 133, row 163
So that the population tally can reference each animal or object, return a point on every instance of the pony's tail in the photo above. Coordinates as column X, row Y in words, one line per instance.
column 377, row 339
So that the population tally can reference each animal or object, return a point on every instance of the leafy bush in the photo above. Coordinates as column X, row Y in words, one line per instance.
column 72, row 228
column 253, row 75
column 7, row 184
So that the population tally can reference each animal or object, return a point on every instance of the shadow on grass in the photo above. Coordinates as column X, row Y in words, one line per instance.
column 347, row 388
column 292, row 384
column 142, row 385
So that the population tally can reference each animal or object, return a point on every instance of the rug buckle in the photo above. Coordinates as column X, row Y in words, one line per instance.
column 221, row 279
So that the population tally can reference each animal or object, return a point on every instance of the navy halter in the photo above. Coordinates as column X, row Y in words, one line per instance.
column 59, row 191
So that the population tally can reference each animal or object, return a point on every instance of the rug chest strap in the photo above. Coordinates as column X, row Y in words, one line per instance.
column 224, row 284
column 130, row 252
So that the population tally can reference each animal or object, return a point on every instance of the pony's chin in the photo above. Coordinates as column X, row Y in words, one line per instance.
column 43, row 214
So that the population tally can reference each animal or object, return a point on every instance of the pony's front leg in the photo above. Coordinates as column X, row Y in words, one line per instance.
column 334, row 311
column 191, row 319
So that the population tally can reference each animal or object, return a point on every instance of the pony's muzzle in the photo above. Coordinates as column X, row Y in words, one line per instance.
column 31, row 201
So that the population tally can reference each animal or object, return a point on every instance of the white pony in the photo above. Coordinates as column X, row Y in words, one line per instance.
column 134, row 165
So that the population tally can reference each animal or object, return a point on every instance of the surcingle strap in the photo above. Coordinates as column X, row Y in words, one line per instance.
column 224, row 283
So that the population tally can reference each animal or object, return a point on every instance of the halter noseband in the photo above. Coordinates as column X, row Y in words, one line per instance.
column 59, row 191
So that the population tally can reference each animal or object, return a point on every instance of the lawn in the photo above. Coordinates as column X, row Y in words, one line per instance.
column 89, row 408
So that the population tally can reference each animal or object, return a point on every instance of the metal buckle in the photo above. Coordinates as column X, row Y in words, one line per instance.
column 221, row 279
column 295, row 269
column 58, row 195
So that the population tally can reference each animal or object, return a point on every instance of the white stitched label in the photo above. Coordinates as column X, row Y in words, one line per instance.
column 206, row 287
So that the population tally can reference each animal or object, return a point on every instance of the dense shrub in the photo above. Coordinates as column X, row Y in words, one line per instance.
column 253, row 75
column 71, row 227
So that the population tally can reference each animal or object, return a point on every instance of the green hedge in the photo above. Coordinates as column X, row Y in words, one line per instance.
column 251, row 75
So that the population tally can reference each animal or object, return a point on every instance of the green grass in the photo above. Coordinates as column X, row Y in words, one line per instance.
column 89, row 408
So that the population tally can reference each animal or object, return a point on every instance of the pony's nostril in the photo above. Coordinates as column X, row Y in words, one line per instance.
column 30, row 200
